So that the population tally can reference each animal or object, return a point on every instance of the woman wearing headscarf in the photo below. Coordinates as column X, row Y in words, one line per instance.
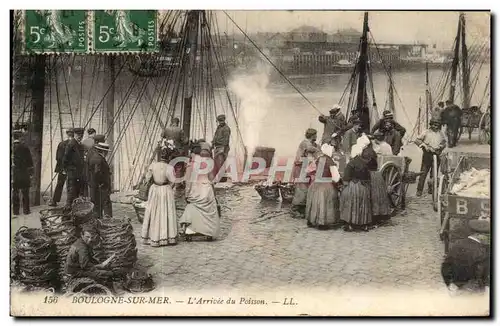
column 306, row 147
column 201, row 216
column 322, row 204
column 355, row 205
column 380, row 146
column 381, row 206
column 160, row 220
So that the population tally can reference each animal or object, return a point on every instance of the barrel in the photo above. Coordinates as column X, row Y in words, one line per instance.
column 267, row 153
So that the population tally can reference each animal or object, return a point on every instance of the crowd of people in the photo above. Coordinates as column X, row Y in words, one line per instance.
column 356, row 197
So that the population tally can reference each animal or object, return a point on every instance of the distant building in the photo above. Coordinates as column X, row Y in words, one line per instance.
column 349, row 35
column 306, row 34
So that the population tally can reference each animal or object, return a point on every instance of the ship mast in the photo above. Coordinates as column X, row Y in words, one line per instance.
column 362, row 96
column 191, row 51
column 454, row 64
column 465, row 67
column 428, row 98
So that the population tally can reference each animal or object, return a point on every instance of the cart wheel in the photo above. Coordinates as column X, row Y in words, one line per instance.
column 434, row 183
column 394, row 182
column 484, row 128
column 442, row 202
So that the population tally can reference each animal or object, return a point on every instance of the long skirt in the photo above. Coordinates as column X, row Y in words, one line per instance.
column 322, row 208
column 159, row 227
column 355, row 204
column 201, row 214
column 380, row 197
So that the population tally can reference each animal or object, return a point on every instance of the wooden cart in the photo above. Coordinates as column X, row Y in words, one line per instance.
column 456, row 206
column 474, row 118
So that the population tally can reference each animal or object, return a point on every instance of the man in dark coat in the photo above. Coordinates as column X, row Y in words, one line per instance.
column 389, row 116
column 88, row 154
column 61, row 174
column 100, row 181
column 22, row 171
column 220, row 143
column 468, row 260
column 334, row 123
column 73, row 164
column 392, row 136
column 452, row 118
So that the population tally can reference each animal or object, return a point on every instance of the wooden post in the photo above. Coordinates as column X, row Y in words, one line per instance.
column 110, row 110
column 36, row 127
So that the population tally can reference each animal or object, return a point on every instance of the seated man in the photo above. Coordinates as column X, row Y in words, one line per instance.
column 81, row 263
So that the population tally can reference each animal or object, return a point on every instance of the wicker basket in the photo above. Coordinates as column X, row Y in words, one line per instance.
column 268, row 192
column 287, row 191
column 82, row 209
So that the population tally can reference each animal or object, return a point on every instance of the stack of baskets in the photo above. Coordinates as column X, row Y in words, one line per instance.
column 287, row 191
column 268, row 191
column 35, row 264
column 117, row 237
column 59, row 226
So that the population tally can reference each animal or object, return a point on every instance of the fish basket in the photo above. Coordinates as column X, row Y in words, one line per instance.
column 53, row 217
column 287, row 191
column 82, row 209
column 85, row 285
column 34, row 261
column 267, row 192
column 140, row 209
column 138, row 281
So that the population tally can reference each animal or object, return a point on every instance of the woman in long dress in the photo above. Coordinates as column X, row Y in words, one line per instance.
column 381, row 206
column 306, row 147
column 322, row 205
column 201, row 215
column 355, row 202
column 159, row 227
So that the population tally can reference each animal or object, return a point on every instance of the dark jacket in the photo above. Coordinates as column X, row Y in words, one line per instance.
column 451, row 115
column 73, row 161
column 222, row 136
column 79, row 258
column 394, row 138
column 356, row 170
column 22, row 166
column 467, row 260
column 332, row 125
column 61, row 148
column 397, row 127
column 99, row 172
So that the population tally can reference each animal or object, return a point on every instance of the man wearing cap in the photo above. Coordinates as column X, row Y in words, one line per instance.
column 73, row 164
column 220, row 143
column 432, row 142
column 333, row 123
column 452, row 118
column 389, row 116
column 61, row 174
column 22, row 170
column 437, row 111
column 468, row 260
column 100, row 181
column 88, row 154
column 351, row 136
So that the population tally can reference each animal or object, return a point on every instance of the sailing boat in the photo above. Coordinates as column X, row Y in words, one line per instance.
column 461, row 79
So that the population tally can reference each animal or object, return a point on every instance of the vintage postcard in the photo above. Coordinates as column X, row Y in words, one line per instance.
column 250, row 163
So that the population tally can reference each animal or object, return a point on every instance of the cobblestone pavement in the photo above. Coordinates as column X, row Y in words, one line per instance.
column 261, row 245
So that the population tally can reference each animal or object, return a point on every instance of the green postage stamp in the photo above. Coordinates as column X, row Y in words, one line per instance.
column 56, row 31
column 125, row 31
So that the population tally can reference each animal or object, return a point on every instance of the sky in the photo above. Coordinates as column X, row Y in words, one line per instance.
column 386, row 27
